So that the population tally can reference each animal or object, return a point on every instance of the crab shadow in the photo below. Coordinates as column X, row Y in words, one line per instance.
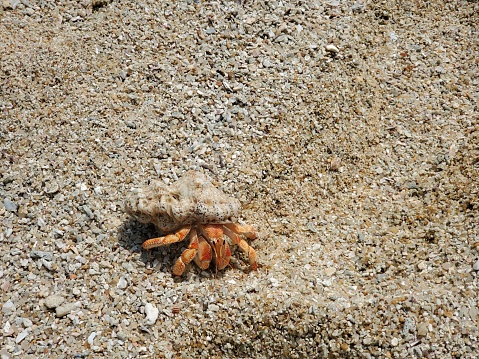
column 131, row 235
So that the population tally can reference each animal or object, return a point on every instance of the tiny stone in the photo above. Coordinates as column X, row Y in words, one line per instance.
column 447, row 265
column 8, row 179
column 130, row 124
column 7, row 5
column 65, row 309
column 48, row 264
column 41, row 254
column 9, row 205
column 88, row 212
column 417, row 351
column 210, row 30
column 91, row 337
column 22, row 335
column 329, row 271
column 394, row 342
column 409, row 326
column 27, row 322
column 122, row 283
column 476, row 266
column 311, row 227
column 151, row 314
column 422, row 329
column 7, row 329
column 54, row 301
column 8, row 306
column 5, row 285
column 331, row 48
column 52, row 188
column 422, row 265
column 273, row 281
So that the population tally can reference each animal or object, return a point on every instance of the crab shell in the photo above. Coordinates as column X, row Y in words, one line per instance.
column 192, row 199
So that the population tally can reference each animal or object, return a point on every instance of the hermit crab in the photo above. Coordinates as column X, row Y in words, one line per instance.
column 193, row 206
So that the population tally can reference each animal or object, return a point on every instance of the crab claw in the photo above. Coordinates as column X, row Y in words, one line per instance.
column 214, row 234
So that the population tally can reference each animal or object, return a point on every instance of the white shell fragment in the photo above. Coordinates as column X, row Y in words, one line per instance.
column 22, row 335
column 122, row 283
column 151, row 313
column 331, row 48
column 91, row 337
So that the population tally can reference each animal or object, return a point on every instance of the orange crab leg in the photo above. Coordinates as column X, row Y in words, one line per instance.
column 178, row 236
column 187, row 255
column 204, row 255
column 214, row 234
column 244, row 229
column 242, row 244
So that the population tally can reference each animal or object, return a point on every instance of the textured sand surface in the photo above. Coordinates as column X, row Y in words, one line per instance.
column 349, row 132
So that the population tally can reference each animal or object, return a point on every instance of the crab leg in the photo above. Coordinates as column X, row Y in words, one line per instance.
column 178, row 236
column 214, row 234
column 242, row 244
column 246, row 230
column 188, row 254
column 204, row 255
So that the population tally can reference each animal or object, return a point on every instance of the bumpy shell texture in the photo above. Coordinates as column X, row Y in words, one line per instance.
column 191, row 199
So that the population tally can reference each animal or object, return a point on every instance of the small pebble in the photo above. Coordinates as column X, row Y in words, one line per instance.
column 9, row 205
column 5, row 285
column 27, row 322
column 41, row 254
column 394, row 342
column 331, row 48
column 7, row 329
column 330, row 271
column 52, row 187
column 22, row 335
column 311, row 227
column 122, row 283
column 422, row 265
column 274, row 282
column 476, row 266
column 88, row 212
column 422, row 329
column 8, row 232
column 8, row 306
column 54, row 301
column 151, row 314
column 64, row 309
column 91, row 337
column 327, row 283
column 130, row 124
